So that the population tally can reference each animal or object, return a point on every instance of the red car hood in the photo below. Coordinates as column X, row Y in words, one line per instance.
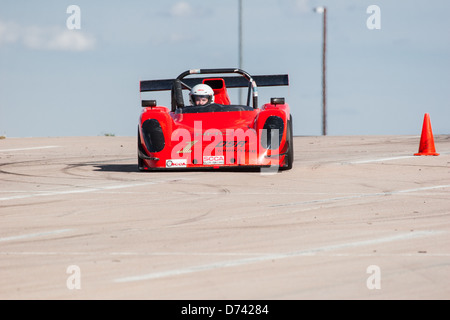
column 216, row 120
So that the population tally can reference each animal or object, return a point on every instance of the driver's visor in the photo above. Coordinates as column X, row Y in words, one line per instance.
column 203, row 99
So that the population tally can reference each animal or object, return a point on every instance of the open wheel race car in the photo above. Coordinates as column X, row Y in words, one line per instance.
column 219, row 134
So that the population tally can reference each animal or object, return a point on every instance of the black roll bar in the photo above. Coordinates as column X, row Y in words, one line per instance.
column 252, row 87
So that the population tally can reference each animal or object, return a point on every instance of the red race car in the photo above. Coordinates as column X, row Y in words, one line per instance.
column 217, row 134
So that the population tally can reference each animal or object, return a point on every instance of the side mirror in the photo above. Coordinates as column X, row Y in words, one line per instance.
column 276, row 100
column 148, row 103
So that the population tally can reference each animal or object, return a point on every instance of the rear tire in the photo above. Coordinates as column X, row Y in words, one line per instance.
column 290, row 142
column 140, row 161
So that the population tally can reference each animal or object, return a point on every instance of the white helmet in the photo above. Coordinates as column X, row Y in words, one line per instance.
column 201, row 91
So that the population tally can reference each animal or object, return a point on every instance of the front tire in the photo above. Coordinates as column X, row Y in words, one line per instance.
column 289, row 158
column 140, row 160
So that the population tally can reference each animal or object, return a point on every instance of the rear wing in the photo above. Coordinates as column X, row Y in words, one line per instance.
column 230, row 82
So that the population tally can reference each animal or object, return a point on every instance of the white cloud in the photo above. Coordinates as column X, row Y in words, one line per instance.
column 9, row 33
column 180, row 37
column 295, row 7
column 45, row 38
column 302, row 6
column 181, row 9
column 69, row 40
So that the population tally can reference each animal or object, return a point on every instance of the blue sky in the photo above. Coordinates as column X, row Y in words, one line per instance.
column 85, row 82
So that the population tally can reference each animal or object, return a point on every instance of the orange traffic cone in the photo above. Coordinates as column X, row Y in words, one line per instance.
column 426, row 147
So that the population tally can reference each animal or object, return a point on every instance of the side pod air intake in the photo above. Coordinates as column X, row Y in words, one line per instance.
column 153, row 135
column 271, row 139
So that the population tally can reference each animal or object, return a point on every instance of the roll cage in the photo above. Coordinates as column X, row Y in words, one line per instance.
column 180, row 83
column 243, row 80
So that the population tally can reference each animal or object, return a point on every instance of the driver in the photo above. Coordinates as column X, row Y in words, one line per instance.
column 201, row 94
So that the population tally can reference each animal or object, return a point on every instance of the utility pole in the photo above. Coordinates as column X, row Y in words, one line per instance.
column 323, row 10
column 240, row 43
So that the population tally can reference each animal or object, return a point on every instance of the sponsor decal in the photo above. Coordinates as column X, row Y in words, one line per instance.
column 213, row 159
column 176, row 163
column 235, row 144
column 188, row 147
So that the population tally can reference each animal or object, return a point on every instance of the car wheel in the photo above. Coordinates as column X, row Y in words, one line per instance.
column 140, row 160
column 289, row 158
